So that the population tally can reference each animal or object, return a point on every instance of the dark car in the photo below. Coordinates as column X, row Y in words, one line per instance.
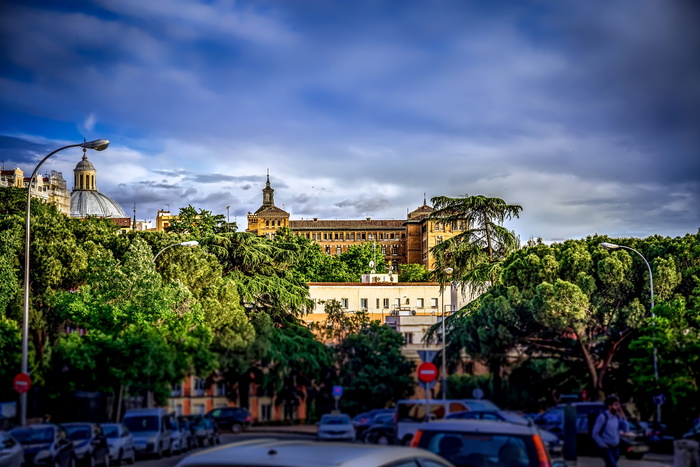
column 89, row 442
column 235, row 419
column 45, row 445
column 364, row 420
column 633, row 444
column 381, row 431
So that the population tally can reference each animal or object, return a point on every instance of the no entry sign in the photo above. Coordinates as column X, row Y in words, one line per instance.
column 22, row 382
column 427, row 372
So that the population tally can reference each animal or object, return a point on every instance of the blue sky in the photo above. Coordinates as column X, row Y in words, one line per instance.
column 586, row 113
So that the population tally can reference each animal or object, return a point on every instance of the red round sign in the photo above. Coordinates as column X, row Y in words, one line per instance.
column 427, row 372
column 22, row 382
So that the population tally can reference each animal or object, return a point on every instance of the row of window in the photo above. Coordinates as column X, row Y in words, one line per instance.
column 352, row 236
column 384, row 302
column 339, row 250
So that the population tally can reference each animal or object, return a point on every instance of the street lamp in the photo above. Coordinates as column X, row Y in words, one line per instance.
column 613, row 246
column 97, row 145
column 447, row 272
column 190, row 244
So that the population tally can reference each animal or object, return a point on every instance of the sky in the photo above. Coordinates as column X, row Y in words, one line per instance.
column 585, row 113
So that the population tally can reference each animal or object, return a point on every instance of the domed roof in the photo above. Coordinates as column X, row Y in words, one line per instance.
column 85, row 203
column 84, row 164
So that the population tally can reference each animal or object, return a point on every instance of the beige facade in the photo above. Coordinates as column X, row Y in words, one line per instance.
column 410, row 308
column 402, row 241
column 49, row 188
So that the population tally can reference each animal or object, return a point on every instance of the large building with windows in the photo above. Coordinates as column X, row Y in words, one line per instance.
column 401, row 241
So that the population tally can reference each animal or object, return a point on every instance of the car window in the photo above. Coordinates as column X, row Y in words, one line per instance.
column 416, row 411
column 76, row 433
column 335, row 420
column 111, row 431
column 553, row 416
column 142, row 423
column 34, row 435
column 481, row 449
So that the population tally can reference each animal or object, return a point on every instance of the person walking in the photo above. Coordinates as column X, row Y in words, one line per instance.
column 607, row 428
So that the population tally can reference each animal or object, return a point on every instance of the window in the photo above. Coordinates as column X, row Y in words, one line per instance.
column 409, row 337
column 407, row 301
column 386, row 303
column 343, row 302
column 394, row 250
column 434, row 302
column 338, row 250
column 397, row 302
column 363, row 303
column 328, row 249
column 199, row 387
column 363, row 236
column 377, row 304
column 384, row 249
column 420, row 302
column 325, row 236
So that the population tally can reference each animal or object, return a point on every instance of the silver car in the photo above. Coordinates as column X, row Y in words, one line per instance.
column 298, row 453
column 121, row 443
column 335, row 427
column 11, row 451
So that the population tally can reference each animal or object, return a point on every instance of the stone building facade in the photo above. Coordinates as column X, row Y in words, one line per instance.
column 50, row 188
column 402, row 241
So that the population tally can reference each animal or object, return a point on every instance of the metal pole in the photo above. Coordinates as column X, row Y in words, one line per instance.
column 446, row 271
column 25, row 316
column 651, row 291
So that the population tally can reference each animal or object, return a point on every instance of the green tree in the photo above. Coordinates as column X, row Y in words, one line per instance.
column 413, row 273
column 358, row 258
column 373, row 371
column 475, row 254
column 198, row 224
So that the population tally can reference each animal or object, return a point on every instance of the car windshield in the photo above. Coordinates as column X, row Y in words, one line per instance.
column 142, row 423
column 481, row 449
column 111, row 431
column 76, row 433
column 335, row 420
column 482, row 405
column 33, row 435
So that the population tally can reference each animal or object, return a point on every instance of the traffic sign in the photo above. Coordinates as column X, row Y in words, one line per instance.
column 427, row 372
column 477, row 393
column 660, row 399
column 337, row 391
column 22, row 383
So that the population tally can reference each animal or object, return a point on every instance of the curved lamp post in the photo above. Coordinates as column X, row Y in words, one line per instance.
column 97, row 145
column 190, row 244
column 613, row 246
column 447, row 271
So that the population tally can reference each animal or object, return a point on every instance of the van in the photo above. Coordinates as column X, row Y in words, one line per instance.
column 412, row 412
column 151, row 431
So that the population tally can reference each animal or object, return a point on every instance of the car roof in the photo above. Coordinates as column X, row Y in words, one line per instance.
column 293, row 453
column 478, row 426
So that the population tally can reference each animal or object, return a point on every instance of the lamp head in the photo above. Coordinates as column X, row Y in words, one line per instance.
column 448, row 271
column 609, row 246
column 97, row 145
column 191, row 243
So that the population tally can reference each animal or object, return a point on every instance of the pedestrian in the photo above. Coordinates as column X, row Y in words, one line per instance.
column 607, row 428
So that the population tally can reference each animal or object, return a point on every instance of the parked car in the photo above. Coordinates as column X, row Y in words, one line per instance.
column 121, row 443
column 234, row 419
column 203, row 429
column 411, row 413
column 381, row 431
column 299, row 453
column 177, row 441
column 11, row 451
column 335, row 427
column 89, row 443
column 150, row 429
column 633, row 444
column 483, row 443
column 188, row 434
column 364, row 420
column 554, row 444
column 45, row 445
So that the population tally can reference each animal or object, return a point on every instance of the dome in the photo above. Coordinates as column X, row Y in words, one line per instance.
column 85, row 203
column 84, row 164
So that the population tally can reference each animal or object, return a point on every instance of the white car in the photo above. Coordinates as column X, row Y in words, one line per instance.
column 335, row 427
column 11, row 451
column 299, row 453
column 121, row 443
